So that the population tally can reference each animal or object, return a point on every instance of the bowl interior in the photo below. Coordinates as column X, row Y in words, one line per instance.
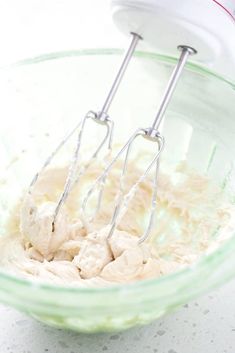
column 43, row 98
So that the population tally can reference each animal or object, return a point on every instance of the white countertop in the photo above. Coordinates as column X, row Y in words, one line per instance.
column 206, row 325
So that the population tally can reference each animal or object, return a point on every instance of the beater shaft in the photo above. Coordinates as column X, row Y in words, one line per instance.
column 127, row 57
column 170, row 88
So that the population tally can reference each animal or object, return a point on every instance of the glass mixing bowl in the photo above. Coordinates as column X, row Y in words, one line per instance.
column 42, row 98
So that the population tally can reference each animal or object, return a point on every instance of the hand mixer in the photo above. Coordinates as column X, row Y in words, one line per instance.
column 145, row 19
column 181, row 29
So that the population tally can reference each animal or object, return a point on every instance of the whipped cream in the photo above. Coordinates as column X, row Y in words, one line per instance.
column 193, row 218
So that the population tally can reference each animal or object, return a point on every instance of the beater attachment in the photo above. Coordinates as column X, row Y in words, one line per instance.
column 152, row 133
column 101, row 117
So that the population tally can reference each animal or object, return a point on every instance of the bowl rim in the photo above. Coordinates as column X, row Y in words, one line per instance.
column 207, row 259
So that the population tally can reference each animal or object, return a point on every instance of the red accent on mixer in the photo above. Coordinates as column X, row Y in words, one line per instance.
column 225, row 7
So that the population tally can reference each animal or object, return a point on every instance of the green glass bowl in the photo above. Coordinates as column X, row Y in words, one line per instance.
column 42, row 98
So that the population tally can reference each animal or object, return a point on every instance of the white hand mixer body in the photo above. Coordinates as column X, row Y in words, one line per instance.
column 206, row 25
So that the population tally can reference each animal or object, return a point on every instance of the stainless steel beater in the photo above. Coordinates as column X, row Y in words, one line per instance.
column 102, row 117
column 152, row 133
